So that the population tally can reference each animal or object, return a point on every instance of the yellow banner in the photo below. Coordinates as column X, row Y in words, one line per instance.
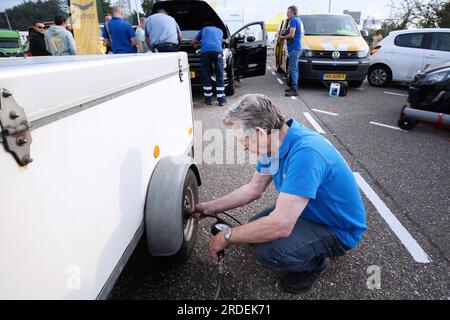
column 85, row 26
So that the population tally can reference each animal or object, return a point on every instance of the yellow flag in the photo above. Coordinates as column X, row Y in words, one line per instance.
column 85, row 26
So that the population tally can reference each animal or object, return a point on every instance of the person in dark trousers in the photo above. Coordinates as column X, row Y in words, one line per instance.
column 107, row 42
column 212, row 59
column 121, row 33
column 162, row 33
column 37, row 40
column 294, row 46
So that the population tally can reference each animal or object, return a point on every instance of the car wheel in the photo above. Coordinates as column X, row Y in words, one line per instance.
column 379, row 76
column 190, row 225
column 355, row 84
column 229, row 89
column 406, row 123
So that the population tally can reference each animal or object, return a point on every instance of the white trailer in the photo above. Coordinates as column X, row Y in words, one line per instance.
column 97, row 151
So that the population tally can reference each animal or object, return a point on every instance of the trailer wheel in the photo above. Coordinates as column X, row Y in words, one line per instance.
column 406, row 123
column 190, row 225
column 172, row 194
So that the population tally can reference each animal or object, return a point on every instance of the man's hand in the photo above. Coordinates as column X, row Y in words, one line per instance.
column 201, row 211
column 217, row 244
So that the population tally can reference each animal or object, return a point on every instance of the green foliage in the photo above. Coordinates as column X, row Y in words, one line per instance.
column 147, row 6
column 23, row 15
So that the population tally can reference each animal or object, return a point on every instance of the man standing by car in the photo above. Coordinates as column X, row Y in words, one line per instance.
column 59, row 41
column 162, row 32
column 121, row 33
column 37, row 40
column 212, row 59
column 294, row 46
column 319, row 213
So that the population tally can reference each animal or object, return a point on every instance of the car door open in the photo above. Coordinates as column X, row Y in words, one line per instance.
column 250, row 46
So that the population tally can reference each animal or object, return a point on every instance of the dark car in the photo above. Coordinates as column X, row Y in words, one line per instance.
column 428, row 98
column 244, row 52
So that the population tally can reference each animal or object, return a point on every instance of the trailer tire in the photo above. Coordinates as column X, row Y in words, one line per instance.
column 172, row 194
column 406, row 123
column 190, row 225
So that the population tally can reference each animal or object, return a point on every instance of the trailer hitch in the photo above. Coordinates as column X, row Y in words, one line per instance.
column 15, row 129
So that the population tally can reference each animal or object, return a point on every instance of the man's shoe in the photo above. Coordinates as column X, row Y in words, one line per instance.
column 298, row 282
column 222, row 102
column 208, row 102
column 288, row 89
column 291, row 93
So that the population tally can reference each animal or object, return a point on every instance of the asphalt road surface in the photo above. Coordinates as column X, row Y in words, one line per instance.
column 405, row 182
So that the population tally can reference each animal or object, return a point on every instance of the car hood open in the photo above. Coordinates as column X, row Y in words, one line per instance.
column 191, row 15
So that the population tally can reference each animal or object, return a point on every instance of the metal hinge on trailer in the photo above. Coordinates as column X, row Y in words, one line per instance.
column 180, row 70
column 15, row 129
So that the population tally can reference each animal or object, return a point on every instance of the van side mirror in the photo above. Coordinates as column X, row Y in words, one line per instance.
column 364, row 33
column 251, row 39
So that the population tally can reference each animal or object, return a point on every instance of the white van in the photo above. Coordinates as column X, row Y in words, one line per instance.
column 403, row 53
column 97, row 151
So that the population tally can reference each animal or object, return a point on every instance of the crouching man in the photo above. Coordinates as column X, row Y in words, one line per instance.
column 319, row 213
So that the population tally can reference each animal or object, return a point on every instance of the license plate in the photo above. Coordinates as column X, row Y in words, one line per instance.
column 192, row 74
column 334, row 76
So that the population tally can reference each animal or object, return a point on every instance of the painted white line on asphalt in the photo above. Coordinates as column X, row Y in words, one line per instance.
column 361, row 89
column 314, row 123
column 293, row 98
column 396, row 94
column 400, row 231
column 273, row 73
column 268, row 67
column 386, row 126
column 279, row 80
column 325, row 112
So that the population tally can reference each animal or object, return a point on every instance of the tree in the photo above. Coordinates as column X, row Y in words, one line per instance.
column 444, row 16
column 106, row 6
column 147, row 6
column 23, row 15
column 430, row 13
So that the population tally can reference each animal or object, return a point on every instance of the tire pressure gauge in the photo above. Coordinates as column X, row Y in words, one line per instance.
column 219, row 226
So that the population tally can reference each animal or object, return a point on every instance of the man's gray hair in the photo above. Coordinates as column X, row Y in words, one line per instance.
column 294, row 10
column 118, row 9
column 254, row 111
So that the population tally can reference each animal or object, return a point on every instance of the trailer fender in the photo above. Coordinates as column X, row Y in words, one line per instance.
column 164, row 205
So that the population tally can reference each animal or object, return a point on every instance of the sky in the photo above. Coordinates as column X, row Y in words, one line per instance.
column 375, row 8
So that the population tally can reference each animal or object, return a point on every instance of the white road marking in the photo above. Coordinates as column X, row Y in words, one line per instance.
column 293, row 98
column 396, row 94
column 314, row 123
column 400, row 231
column 279, row 80
column 361, row 89
column 268, row 67
column 273, row 73
column 325, row 112
column 386, row 126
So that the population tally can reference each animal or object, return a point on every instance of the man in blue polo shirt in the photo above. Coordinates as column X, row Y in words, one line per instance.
column 121, row 33
column 294, row 46
column 212, row 59
column 319, row 213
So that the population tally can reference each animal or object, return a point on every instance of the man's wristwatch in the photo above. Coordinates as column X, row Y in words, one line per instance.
column 227, row 236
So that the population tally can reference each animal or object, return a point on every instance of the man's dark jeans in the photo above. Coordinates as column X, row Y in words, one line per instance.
column 304, row 250
column 167, row 47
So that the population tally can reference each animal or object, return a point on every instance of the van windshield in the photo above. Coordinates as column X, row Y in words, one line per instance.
column 9, row 43
column 326, row 25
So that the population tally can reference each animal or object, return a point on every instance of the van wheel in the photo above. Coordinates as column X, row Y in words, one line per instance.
column 379, row 76
column 406, row 123
column 355, row 84
column 190, row 225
